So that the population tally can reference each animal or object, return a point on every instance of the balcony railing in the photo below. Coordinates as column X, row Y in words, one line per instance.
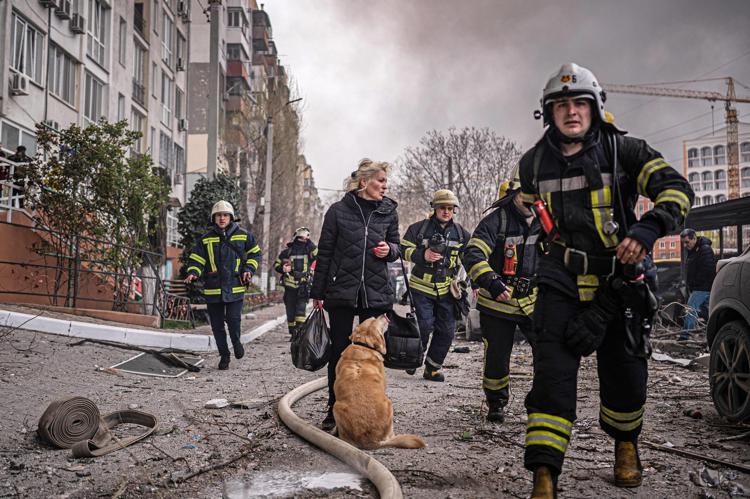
column 139, row 93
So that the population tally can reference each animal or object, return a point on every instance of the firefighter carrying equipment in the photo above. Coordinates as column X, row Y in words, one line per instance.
column 297, row 283
column 221, row 257
column 75, row 423
column 444, row 197
column 433, row 279
column 485, row 261
column 222, row 207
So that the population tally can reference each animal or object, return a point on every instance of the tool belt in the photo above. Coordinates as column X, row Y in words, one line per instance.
column 75, row 423
column 582, row 263
column 522, row 286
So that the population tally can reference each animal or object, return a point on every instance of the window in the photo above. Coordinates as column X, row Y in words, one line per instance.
column 97, row 31
column 662, row 245
column 672, row 254
column 721, row 179
column 695, row 181
column 155, row 16
column 235, row 19
column 152, row 141
column 167, row 88
column 120, row 107
column 62, row 75
column 234, row 52
column 13, row 137
column 707, row 200
column 179, row 164
column 173, row 236
column 697, row 201
column 165, row 151
column 180, row 50
column 708, row 181
column 693, row 157
column 154, row 80
column 178, row 96
column 139, row 74
column 26, row 54
column 671, row 244
column 706, row 156
column 745, row 152
column 123, row 41
column 745, row 176
column 94, row 96
column 137, row 120
column 721, row 198
column 720, row 155
column 167, row 40
column 138, row 20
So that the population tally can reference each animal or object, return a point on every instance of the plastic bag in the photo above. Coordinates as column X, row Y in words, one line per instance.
column 311, row 343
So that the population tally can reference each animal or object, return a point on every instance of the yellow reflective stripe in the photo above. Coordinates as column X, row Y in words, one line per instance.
column 585, row 294
column 528, row 198
column 238, row 237
column 674, row 196
column 623, row 416
column 408, row 244
column 408, row 253
column 495, row 384
column 237, row 266
column 254, row 249
column 239, row 289
column 646, row 172
column 207, row 240
column 424, row 289
column 587, row 280
column 252, row 263
column 198, row 258
column 479, row 269
column 211, row 259
column 621, row 426
column 601, row 208
column 500, row 306
column 300, row 318
column 548, row 200
column 193, row 267
column 212, row 291
column 475, row 241
column 546, row 438
column 587, row 286
column 559, row 423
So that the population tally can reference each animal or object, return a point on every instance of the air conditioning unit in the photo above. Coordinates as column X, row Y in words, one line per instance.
column 48, row 3
column 62, row 9
column 182, row 124
column 19, row 84
column 180, row 64
column 78, row 24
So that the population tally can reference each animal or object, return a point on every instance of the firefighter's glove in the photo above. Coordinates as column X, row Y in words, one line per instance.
column 496, row 287
column 586, row 331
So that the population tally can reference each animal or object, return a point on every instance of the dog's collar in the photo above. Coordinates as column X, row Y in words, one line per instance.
column 359, row 343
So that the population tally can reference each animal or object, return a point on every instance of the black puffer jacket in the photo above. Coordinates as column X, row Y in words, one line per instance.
column 701, row 266
column 346, row 266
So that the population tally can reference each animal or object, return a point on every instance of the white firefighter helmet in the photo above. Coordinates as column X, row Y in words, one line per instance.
column 444, row 197
column 570, row 81
column 302, row 232
column 222, row 207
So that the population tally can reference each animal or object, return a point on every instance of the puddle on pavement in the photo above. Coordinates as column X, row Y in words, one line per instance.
column 286, row 484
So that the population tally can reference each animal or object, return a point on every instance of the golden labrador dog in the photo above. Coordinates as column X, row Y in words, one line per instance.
column 363, row 412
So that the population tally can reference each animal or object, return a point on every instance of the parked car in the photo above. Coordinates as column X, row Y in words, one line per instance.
column 728, row 335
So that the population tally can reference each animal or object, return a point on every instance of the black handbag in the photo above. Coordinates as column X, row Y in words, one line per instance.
column 403, row 343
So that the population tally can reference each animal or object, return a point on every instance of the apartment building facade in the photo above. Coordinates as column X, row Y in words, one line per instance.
column 76, row 61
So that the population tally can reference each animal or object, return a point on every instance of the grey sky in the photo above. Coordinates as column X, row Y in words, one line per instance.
column 377, row 74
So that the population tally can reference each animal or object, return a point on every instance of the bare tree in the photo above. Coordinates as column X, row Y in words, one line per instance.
column 472, row 162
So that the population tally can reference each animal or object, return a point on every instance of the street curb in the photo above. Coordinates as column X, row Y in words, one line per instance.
column 126, row 335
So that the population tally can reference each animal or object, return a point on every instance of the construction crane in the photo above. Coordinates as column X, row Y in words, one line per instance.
column 733, row 157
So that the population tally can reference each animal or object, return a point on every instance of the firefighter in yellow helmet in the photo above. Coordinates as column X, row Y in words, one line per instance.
column 225, row 257
column 295, row 264
column 500, row 259
column 435, row 246
column 589, row 175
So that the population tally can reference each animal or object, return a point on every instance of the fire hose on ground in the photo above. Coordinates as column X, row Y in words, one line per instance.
column 387, row 485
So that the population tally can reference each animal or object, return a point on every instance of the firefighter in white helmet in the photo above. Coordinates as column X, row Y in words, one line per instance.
column 583, row 178
column 225, row 257
column 435, row 246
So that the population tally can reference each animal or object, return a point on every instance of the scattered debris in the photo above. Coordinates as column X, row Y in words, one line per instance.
column 701, row 360
column 216, row 404
column 695, row 455
column 461, row 350
column 662, row 357
column 693, row 413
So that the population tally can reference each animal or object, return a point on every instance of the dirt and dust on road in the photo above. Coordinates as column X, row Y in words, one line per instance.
column 245, row 451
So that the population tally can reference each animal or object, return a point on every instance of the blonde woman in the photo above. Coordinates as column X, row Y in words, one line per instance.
column 358, row 239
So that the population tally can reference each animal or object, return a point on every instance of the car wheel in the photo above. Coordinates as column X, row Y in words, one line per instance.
column 729, row 371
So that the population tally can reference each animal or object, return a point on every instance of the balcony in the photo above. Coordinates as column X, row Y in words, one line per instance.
column 139, row 93
column 238, row 69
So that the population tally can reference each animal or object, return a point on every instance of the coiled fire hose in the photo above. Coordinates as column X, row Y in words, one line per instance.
column 75, row 423
column 372, row 469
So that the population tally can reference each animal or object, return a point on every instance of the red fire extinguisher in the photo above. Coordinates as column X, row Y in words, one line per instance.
column 510, row 259
column 540, row 210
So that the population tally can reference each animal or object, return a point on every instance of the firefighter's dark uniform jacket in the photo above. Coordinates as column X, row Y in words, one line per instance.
column 301, row 256
column 579, row 192
column 484, row 260
column 220, row 265
column 425, row 277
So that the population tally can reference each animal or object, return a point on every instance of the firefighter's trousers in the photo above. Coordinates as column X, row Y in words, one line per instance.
column 551, row 403
column 497, row 335
column 437, row 318
column 295, row 303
